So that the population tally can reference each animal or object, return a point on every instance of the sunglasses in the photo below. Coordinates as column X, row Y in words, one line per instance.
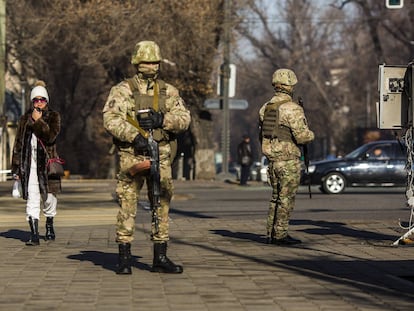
column 39, row 100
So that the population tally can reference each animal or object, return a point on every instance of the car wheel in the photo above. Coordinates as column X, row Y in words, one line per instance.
column 322, row 190
column 334, row 183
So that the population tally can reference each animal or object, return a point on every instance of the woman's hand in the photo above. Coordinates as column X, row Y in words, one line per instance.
column 37, row 114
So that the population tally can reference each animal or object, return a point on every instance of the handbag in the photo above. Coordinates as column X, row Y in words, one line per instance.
column 55, row 167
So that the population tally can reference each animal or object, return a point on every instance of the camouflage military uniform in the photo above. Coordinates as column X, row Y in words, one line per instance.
column 121, row 106
column 284, row 162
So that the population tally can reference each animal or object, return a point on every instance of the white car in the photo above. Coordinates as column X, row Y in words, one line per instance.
column 264, row 163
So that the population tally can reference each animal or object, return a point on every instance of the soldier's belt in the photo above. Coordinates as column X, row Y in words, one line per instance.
column 280, row 138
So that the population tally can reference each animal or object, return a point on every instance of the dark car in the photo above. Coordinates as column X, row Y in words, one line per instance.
column 379, row 163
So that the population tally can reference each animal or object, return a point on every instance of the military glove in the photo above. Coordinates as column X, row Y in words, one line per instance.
column 140, row 143
column 152, row 121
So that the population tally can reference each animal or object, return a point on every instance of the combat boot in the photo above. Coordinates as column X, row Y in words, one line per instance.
column 286, row 241
column 50, row 232
column 124, row 259
column 34, row 232
column 161, row 262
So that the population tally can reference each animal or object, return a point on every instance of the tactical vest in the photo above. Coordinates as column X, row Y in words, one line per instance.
column 156, row 102
column 271, row 128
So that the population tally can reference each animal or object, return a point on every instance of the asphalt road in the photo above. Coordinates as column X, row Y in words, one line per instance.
column 358, row 204
column 212, row 199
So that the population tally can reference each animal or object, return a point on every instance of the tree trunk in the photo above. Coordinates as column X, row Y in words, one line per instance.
column 202, row 130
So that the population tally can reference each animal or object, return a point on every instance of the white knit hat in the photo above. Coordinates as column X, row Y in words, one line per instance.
column 39, row 91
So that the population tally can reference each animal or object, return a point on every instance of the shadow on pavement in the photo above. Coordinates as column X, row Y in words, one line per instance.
column 364, row 275
column 330, row 228
column 355, row 274
column 319, row 228
column 16, row 234
column 241, row 235
column 106, row 260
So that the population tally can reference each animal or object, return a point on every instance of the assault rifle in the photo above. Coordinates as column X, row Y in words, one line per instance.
column 306, row 156
column 153, row 179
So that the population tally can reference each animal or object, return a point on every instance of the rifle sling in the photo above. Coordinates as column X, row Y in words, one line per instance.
column 135, row 124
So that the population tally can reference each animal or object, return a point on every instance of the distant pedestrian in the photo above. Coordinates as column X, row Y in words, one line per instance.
column 35, row 143
column 245, row 159
column 283, row 129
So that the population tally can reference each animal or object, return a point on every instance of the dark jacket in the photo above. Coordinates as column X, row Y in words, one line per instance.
column 46, row 130
column 244, row 154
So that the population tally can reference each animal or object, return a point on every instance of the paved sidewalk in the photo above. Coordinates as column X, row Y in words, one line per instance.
column 227, row 266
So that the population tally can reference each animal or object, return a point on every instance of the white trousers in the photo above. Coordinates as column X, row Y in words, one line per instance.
column 34, row 199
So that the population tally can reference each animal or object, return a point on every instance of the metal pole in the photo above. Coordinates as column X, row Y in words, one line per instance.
column 225, row 77
column 3, row 119
column 368, row 106
column 23, row 107
column 2, row 53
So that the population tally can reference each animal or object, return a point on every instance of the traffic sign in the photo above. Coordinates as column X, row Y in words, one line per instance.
column 232, row 82
column 394, row 4
column 234, row 104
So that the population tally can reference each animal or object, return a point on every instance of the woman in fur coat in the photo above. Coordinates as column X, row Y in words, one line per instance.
column 36, row 142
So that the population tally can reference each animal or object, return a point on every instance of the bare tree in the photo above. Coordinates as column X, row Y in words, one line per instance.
column 376, row 35
column 82, row 47
column 335, row 49
column 306, row 41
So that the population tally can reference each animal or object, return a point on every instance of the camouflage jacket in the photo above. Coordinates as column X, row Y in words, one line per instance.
column 293, row 117
column 120, row 104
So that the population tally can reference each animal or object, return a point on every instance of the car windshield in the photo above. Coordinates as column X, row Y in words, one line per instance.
column 378, row 151
column 354, row 154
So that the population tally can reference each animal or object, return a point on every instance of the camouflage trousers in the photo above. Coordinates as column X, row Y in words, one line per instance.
column 284, row 177
column 128, row 193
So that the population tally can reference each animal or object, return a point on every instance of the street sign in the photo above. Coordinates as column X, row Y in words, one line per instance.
column 232, row 82
column 234, row 104
column 394, row 4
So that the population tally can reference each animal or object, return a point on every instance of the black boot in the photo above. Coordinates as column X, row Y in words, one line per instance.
column 124, row 259
column 34, row 232
column 50, row 232
column 286, row 241
column 161, row 263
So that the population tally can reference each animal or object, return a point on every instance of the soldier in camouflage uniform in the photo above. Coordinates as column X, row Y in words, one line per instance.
column 168, row 117
column 283, row 129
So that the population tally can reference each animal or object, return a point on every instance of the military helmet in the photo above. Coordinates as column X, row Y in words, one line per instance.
column 146, row 51
column 285, row 77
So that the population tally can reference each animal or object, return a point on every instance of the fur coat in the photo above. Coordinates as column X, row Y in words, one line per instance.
column 46, row 130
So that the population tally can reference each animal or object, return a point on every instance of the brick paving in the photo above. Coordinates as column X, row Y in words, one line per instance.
column 227, row 265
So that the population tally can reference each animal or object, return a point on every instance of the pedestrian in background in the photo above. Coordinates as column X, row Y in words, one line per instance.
column 168, row 116
column 283, row 129
column 245, row 159
column 34, row 144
